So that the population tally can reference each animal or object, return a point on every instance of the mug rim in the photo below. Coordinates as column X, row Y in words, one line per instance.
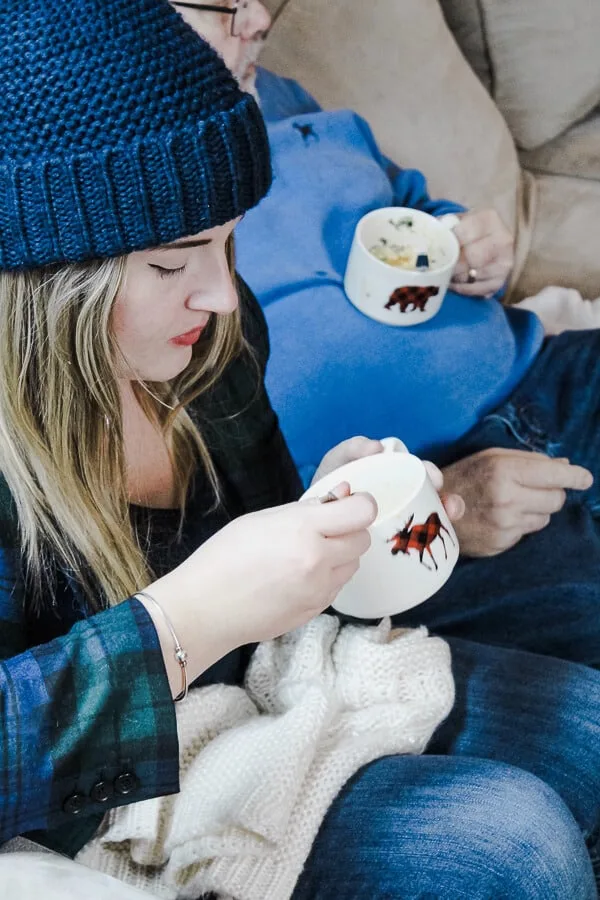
column 419, row 213
column 338, row 475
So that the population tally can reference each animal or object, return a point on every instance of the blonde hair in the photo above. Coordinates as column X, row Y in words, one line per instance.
column 61, row 435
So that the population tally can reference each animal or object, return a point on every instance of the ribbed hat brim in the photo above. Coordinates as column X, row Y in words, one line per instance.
column 131, row 197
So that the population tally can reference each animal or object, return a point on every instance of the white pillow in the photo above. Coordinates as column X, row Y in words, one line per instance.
column 41, row 876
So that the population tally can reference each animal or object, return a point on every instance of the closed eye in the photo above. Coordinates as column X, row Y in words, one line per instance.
column 164, row 272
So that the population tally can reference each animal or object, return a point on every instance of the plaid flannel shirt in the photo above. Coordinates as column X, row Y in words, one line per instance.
column 87, row 719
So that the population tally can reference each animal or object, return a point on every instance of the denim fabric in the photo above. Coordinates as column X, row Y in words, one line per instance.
column 501, row 808
column 544, row 594
column 506, row 803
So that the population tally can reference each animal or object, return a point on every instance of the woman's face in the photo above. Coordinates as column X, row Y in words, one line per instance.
column 167, row 299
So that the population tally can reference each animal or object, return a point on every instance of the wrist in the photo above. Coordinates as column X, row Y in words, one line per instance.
column 192, row 626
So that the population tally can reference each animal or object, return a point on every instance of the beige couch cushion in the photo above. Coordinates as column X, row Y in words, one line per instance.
column 465, row 19
column 546, row 64
column 273, row 5
column 397, row 64
column 576, row 152
column 565, row 246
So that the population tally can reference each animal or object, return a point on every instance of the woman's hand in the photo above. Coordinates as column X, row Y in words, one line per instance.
column 262, row 575
column 487, row 253
column 357, row 447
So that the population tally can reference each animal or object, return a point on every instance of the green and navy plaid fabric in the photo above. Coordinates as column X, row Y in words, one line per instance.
column 87, row 719
column 82, row 711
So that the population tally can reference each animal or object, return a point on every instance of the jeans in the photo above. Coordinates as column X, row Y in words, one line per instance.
column 504, row 806
column 543, row 595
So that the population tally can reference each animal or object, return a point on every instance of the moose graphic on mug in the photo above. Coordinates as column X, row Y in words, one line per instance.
column 411, row 295
column 420, row 538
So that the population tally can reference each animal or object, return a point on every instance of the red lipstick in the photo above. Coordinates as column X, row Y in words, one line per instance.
column 189, row 338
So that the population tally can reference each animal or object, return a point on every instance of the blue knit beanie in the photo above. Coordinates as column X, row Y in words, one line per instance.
column 120, row 129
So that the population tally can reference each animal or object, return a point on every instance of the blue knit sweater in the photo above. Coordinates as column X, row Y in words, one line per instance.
column 334, row 373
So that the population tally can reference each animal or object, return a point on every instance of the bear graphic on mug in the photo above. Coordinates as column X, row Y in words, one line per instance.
column 420, row 538
column 411, row 295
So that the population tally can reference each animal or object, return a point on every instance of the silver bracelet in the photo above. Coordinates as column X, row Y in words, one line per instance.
column 180, row 654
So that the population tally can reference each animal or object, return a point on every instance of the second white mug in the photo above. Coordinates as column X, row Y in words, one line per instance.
column 398, row 296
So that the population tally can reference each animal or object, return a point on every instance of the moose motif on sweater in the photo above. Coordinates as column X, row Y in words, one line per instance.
column 416, row 297
column 420, row 538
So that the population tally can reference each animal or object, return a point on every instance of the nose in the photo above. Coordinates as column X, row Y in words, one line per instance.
column 218, row 294
column 257, row 21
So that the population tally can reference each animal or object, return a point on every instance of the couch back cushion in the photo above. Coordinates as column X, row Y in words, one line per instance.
column 273, row 5
column 575, row 153
column 396, row 63
column 543, row 60
column 466, row 22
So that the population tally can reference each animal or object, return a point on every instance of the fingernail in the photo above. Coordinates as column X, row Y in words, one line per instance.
column 458, row 508
column 585, row 480
column 329, row 497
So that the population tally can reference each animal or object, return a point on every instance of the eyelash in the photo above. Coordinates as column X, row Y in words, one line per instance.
column 167, row 273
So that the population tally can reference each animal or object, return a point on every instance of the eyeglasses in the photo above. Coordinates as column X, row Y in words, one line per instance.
column 239, row 12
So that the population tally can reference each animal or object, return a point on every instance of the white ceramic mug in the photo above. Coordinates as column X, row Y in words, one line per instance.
column 397, row 296
column 414, row 547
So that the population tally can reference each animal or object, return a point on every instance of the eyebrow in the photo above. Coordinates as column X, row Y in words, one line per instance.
column 183, row 245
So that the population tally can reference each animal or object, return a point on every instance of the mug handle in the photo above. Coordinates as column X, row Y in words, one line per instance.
column 449, row 221
column 393, row 445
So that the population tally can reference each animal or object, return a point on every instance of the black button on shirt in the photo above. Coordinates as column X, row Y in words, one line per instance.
column 126, row 784
column 75, row 804
column 102, row 791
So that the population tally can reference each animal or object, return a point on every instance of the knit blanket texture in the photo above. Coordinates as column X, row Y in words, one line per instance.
column 261, row 765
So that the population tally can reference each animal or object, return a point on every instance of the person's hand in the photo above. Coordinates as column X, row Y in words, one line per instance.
column 347, row 451
column 508, row 494
column 357, row 447
column 265, row 573
column 486, row 255
column 454, row 503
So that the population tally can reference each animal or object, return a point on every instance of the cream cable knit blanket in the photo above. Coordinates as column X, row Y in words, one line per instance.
column 260, row 766
column 563, row 309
